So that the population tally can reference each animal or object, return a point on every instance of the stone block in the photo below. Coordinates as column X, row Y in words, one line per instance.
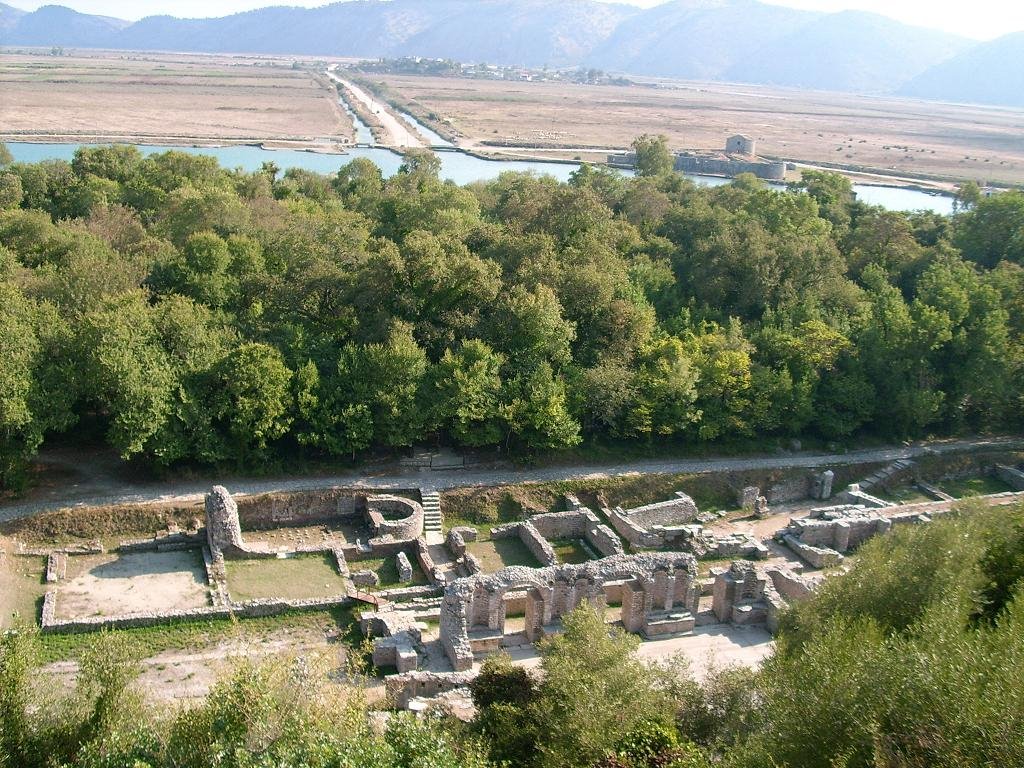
column 365, row 579
column 404, row 568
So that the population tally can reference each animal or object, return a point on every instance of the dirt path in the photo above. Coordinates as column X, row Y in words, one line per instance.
column 105, row 486
column 402, row 136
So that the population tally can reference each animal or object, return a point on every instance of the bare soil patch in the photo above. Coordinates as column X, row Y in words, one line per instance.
column 108, row 585
column 905, row 136
column 161, row 95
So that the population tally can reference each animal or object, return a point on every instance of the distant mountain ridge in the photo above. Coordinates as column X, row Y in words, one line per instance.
column 734, row 40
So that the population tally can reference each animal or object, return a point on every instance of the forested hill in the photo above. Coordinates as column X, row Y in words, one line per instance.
column 735, row 40
column 189, row 313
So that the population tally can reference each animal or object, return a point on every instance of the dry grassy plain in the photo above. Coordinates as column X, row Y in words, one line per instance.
column 901, row 136
column 178, row 99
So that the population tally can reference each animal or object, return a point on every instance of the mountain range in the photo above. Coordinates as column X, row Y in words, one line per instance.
column 732, row 40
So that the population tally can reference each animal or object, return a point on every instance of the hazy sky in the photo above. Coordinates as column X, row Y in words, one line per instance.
column 982, row 19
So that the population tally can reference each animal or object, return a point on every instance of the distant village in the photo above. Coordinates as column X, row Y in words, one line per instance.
column 416, row 65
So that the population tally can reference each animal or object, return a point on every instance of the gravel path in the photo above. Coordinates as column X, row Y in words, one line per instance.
column 402, row 136
column 115, row 491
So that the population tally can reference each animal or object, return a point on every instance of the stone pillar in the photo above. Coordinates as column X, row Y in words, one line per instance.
column 670, row 590
column 827, row 478
column 761, row 509
column 561, row 599
column 534, row 614
column 841, row 536
column 633, row 606
column 496, row 611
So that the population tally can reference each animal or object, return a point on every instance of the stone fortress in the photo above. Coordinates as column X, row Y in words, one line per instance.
column 641, row 567
column 740, row 156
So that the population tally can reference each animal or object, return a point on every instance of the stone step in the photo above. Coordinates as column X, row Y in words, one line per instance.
column 433, row 521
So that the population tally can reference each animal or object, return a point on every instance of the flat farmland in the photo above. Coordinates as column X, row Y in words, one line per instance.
column 174, row 98
column 895, row 136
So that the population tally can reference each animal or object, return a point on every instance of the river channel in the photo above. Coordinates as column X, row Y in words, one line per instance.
column 455, row 165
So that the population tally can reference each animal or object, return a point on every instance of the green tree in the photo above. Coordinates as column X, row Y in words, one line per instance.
column 653, row 157
column 537, row 412
column 467, row 394
column 593, row 691
column 252, row 398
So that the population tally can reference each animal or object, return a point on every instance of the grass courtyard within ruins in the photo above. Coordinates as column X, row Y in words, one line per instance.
column 502, row 553
column 293, row 578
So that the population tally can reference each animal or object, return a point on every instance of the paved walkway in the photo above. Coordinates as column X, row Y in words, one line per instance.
column 86, row 492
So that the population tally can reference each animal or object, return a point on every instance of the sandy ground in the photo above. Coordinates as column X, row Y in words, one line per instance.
column 154, row 96
column 707, row 648
column 400, row 134
column 151, row 581
column 903, row 136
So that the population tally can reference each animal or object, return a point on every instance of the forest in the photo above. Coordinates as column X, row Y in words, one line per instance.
column 912, row 659
column 195, row 315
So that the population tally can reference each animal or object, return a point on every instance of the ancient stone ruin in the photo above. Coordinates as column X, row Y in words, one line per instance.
column 223, row 530
column 653, row 526
column 745, row 594
column 659, row 595
column 394, row 517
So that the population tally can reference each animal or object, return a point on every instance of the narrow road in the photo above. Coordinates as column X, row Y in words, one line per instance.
column 401, row 135
column 187, row 491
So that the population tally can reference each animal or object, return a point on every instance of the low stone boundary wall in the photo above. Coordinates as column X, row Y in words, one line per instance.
column 56, row 567
column 251, row 609
column 426, row 562
column 1012, row 476
column 818, row 557
column 163, row 543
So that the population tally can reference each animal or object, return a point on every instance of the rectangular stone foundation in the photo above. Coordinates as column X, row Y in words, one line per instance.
column 668, row 623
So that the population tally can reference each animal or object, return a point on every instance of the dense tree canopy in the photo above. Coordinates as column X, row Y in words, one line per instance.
column 198, row 314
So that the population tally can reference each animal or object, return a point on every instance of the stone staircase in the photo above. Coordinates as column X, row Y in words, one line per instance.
column 895, row 471
column 433, row 526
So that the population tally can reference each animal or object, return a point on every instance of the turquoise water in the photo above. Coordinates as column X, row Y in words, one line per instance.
column 457, row 166
column 363, row 133
column 433, row 137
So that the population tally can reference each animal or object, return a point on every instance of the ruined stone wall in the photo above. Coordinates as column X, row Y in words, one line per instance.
column 790, row 489
column 527, row 533
column 563, row 525
column 819, row 557
column 677, row 511
column 395, row 516
column 604, row 540
column 274, row 510
column 539, row 546
column 250, row 609
column 423, row 557
column 664, row 580
column 401, row 689
column 631, row 532
column 1012, row 476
